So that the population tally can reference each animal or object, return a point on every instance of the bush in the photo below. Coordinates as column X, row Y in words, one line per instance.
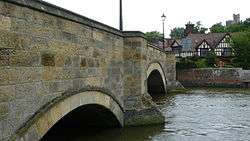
column 241, row 49
column 211, row 59
column 201, row 63
column 197, row 62
column 185, row 63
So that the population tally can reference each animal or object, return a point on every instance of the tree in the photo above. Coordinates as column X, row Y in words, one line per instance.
column 247, row 22
column 218, row 28
column 211, row 59
column 239, row 27
column 236, row 28
column 177, row 33
column 241, row 49
column 154, row 36
column 199, row 28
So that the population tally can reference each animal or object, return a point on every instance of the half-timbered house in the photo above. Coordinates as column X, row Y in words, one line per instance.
column 201, row 44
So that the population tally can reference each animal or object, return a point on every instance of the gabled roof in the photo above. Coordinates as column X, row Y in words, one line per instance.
column 201, row 43
column 193, row 40
column 170, row 42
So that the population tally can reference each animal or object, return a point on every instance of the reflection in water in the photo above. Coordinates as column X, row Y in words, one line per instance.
column 136, row 133
column 119, row 134
column 189, row 117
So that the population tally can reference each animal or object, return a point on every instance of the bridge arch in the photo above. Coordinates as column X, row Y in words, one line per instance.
column 156, row 80
column 88, row 101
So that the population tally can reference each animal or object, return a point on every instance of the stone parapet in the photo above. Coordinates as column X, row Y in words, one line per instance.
column 54, row 10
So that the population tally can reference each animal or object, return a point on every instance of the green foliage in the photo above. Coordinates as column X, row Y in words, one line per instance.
column 247, row 22
column 235, row 28
column 211, row 59
column 241, row 49
column 199, row 28
column 185, row 63
column 177, row 33
column 201, row 63
column 240, row 27
column 218, row 28
column 196, row 62
column 154, row 36
column 228, row 66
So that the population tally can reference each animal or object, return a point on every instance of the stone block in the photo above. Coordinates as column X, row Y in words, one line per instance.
column 90, row 62
column 78, row 84
column 38, row 44
column 11, row 10
column 13, row 40
column 83, row 62
column 31, row 136
column 7, row 93
column 5, row 22
column 76, row 61
column 68, row 37
column 27, row 90
column 25, row 59
column 4, row 110
column 143, row 117
column 93, row 81
column 68, row 61
column 98, row 36
column 101, row 45
column 5, row 130
column 49, row 73
column 48, row 58
column 19, row 75
column 60, row 60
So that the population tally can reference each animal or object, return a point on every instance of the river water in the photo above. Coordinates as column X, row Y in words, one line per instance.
column 195, row 116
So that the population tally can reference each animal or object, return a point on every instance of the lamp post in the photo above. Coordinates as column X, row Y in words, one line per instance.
column 163, row 18
column 121, row 19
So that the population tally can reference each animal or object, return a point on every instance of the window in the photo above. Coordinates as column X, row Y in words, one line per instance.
column 226, row 52
column 204, row 52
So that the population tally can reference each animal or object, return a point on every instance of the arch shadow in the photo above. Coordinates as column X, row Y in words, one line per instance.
column 86, row 109
column 156, row 80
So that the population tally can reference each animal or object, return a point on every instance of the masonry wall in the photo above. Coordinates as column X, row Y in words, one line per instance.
column 44, row 56
column 221, row 77
column 138, row 56
column 167, row 61
column 47, row 52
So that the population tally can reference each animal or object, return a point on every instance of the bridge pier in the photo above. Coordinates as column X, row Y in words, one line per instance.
column 138, row 104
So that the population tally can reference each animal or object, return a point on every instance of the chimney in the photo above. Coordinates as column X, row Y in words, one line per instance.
column 189, row 29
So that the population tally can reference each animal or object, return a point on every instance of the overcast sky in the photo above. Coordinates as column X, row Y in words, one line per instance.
column 145, row 15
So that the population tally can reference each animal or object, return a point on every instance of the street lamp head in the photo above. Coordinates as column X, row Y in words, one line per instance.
column 163, row 17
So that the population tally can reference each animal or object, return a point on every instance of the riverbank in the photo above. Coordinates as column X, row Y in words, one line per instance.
column 218, row 90
column 188, row 90
column 214, row 77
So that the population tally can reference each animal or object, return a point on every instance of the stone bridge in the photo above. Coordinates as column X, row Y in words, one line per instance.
column 56, row 65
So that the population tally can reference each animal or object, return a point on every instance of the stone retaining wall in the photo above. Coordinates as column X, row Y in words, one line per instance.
column 218, row 77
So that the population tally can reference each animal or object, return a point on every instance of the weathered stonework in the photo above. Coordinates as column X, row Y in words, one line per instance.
column 48, row 53
column 140, row 60
column 214, row 77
